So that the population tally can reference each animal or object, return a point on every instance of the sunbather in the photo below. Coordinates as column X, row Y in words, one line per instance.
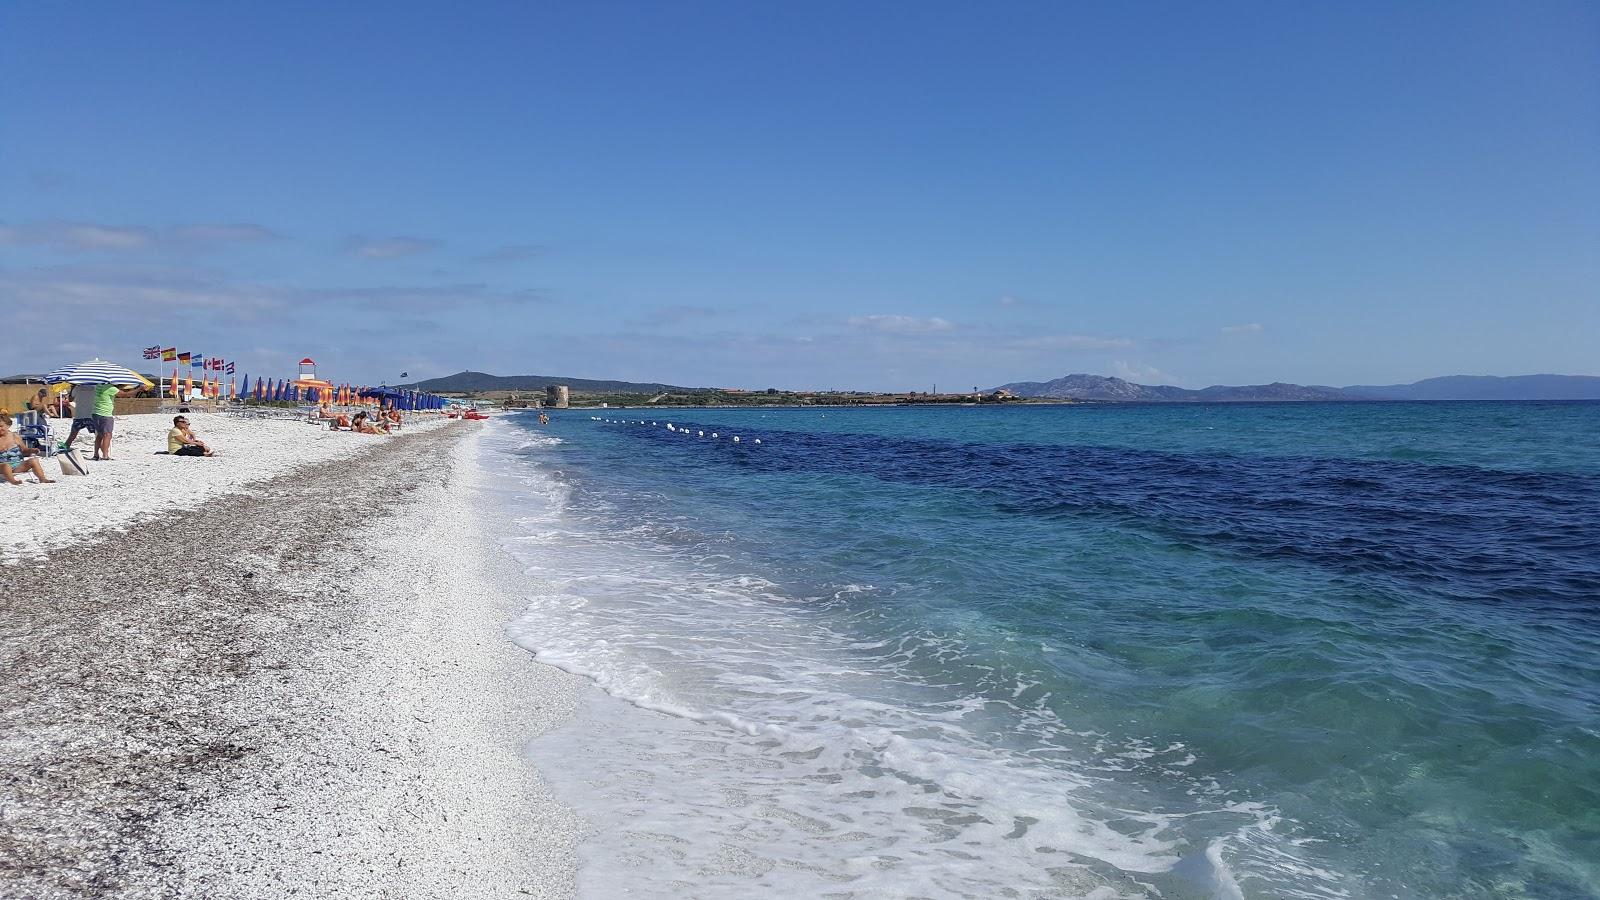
column 16, row 457
column 182, row 442
column 362, row 425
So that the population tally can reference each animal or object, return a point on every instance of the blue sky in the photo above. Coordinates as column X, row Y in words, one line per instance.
column 807, row 195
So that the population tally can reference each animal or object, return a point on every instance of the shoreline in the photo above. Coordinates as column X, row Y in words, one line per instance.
column 221, row 707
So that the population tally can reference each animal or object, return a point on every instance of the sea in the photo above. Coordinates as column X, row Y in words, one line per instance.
column 1181, row 651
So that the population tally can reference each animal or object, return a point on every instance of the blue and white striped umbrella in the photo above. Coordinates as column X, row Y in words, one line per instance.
column 95, row 371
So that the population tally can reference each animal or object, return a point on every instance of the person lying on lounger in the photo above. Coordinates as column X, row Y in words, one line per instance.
column 336, row 420
column 15, row 457
column 182, row 442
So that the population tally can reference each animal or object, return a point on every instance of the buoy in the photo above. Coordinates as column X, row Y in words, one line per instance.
column 713, row 434
column 701, row 433
column 758, row 440
column 736, row 439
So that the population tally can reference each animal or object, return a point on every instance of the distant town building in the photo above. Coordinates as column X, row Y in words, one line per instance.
column 557, row 396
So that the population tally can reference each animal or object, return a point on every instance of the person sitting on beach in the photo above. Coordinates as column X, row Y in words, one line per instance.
column 394, row 415
column 182, row 442
column 362, row 426
column 42, row 404
column 15, row 457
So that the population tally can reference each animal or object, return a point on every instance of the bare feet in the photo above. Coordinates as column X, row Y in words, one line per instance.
column 12, row 479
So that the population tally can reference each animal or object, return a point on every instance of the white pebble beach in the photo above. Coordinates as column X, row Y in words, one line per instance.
column 285, row 674
column 141, row 480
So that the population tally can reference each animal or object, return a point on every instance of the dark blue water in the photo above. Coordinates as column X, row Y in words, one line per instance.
column 1261, row 651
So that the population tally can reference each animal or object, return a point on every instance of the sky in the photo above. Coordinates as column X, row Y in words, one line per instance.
column 814, row 195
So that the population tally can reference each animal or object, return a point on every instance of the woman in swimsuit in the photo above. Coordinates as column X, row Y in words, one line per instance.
column 14, row 457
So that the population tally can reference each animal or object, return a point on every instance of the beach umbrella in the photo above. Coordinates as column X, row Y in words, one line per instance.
column 245, row 390
column 96, row 371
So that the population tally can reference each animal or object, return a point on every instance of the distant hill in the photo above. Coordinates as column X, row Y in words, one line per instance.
column 1103, row 387
column 463, row 382
column 1450, row 387
column 1488, row 387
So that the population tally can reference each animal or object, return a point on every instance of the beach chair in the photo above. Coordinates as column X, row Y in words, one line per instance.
column 33, row 429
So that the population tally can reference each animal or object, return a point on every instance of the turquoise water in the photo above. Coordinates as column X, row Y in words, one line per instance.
column 1329, row 650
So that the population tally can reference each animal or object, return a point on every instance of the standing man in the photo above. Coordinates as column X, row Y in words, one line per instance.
column 105, row 402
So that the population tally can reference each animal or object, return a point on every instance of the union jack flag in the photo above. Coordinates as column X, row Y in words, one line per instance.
column 152, row 352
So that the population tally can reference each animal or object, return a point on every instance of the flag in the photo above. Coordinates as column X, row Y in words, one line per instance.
column 197, row 361
column 230, row 368
column 185, row 357
column 152, row 352
column 169, row 354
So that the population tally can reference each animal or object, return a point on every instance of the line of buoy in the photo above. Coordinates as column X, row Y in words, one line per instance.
column 670, row 426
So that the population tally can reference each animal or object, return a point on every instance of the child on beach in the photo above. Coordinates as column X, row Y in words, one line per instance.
column 182, row 442
column 14, row 457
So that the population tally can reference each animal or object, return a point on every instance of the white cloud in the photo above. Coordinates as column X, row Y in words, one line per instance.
column 1249, row 328
column 390, row 247
column 511, row 253
column 1140, row 374
column 78, row 236
column 1009, row 300
column 103, row 237
column 224, row 233
column 1071, row 342
column 95, row 237
column 901, row 324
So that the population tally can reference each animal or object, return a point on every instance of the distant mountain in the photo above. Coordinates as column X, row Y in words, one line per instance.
column 1488, row 387
column 463, row 382
column 1450, row 387
column 1103, row 387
